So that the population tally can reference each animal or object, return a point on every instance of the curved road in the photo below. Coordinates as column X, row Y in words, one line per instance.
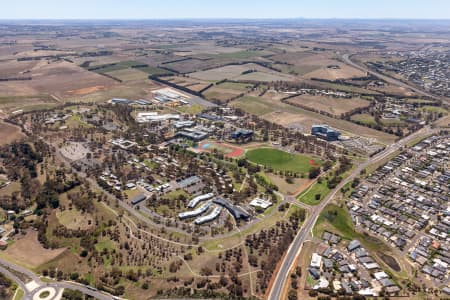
column 293, row 251
column 33, row 290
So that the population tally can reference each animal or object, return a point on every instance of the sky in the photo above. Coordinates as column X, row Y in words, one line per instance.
column 211, row 9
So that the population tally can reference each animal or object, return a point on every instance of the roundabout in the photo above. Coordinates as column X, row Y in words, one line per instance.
column 46, row 293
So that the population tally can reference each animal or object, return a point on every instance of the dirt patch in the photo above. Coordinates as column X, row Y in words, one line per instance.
column 9, row 133
column 87, row 90
column 298, row 185
column 27, row 250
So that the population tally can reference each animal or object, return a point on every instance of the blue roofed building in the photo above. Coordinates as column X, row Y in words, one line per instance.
column 242, row 133
column 325, row 132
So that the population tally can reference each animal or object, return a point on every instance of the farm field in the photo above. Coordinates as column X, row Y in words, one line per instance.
column 235, row 86
column 264, row 77
column 226, row 91
column 56, row 78
column 115, row 66
column 342, row 71
column 334, row 106
column 130, row 90
column 190, row 83
column 187, row 65
column 301, row 119
column 234, row 72
column 127, row 75
column 282, row 161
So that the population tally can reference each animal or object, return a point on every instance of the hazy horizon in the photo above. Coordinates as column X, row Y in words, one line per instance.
column 232, row 9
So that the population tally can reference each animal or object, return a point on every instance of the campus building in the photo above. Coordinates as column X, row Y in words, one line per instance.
column 325, row 132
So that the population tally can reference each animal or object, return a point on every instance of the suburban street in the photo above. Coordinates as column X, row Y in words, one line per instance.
column 296, row 246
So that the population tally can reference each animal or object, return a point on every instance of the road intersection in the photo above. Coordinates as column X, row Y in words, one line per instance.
column 295, row 248
column 34, row 287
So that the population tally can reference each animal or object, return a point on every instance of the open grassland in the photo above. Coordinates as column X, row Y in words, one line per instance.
column 152, row 70
column 127, row 75
column 226, row 91
column 254, row 105
column 295, row 117
column 295, row 70
column 443, row 122
column 9, row 104
column 74, row 219
column 235, row 72
column 309, row 196
column 9, row 133
column 294, row 57
column 334, row 106
column 235, row 86
column 337, row 219
column 187, row 65
column 312, row 64
column 217, row 95
column 288, row 188
column 434, row 109
column 131, row 90
column 282, row 161
column 342, row 87
column 28, row 251
column 106, row 68
column 364, row 118
column 58, row 79
column 189, row 83
column 338, row 71
column 245, row 54
column 264, row 77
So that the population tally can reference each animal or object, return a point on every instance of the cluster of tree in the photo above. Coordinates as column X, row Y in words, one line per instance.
column 5, row 287
column 19, row 158
column 345, row 164
column 271, row 244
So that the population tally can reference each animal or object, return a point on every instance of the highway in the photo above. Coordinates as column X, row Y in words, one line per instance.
column 294, row 249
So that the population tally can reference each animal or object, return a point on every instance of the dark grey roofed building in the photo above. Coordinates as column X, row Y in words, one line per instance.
column 138, row 199
column 237, row 212
column 353, row 245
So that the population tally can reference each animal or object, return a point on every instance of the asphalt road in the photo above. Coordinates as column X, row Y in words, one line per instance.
column 7, row 267
column 296, row 246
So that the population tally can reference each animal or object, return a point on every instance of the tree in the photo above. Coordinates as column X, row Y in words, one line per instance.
column 314, row 172
column 74, row 276
column 292, row 295
column 72, row 295
column 206, row 271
